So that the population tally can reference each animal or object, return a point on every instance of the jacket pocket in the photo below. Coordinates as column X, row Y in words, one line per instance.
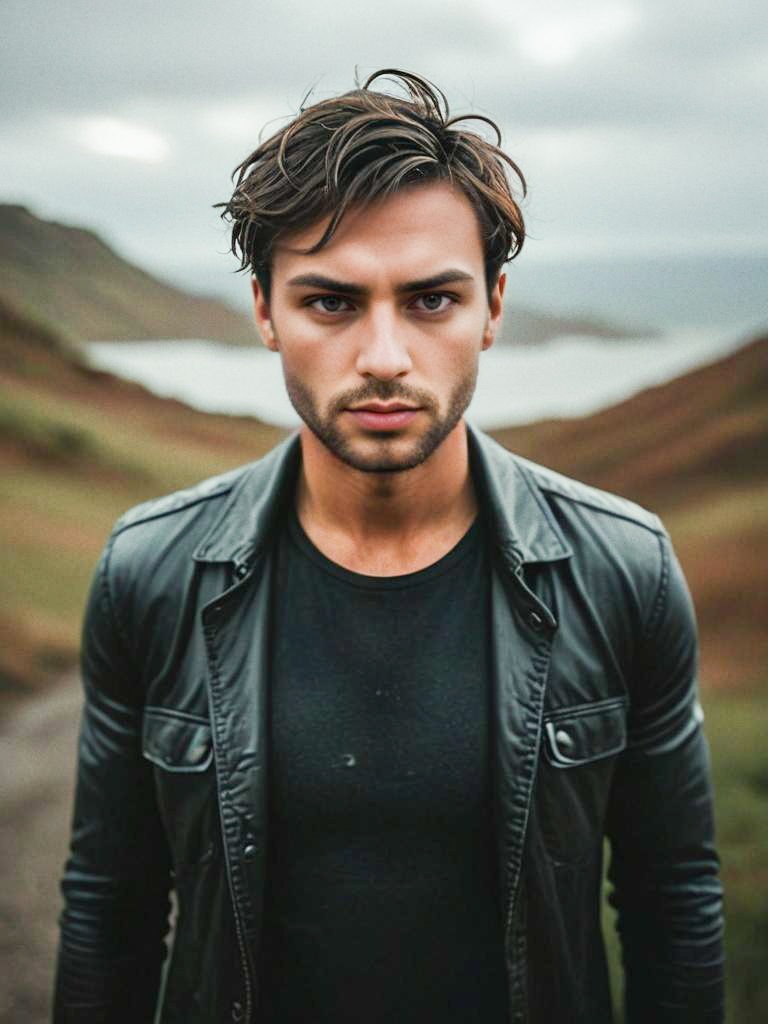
column 580, row 746
column 585, row 733
column 181, row 749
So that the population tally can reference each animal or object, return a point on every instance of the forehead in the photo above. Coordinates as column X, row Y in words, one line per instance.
column 414, row 229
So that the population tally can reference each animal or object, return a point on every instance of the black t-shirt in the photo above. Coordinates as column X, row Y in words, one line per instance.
column 382, row 900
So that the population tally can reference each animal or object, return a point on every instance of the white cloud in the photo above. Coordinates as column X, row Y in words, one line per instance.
column 114, row 137
column 554, row 32
column 559, row 37
column 241, row 121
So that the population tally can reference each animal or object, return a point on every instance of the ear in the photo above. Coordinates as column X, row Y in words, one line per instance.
column 263, row 318
column 495, row 311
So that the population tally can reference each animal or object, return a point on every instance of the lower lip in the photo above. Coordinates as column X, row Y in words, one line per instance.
column 394, row 420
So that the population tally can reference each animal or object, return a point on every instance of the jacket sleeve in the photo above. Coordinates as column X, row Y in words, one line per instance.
column 117, row 878
column 664, row 868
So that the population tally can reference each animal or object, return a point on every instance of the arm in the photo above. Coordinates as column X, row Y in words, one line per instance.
column 663, row 864
column 117, row 878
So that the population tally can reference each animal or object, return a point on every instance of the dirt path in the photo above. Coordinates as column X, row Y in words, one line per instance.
column 37, row 764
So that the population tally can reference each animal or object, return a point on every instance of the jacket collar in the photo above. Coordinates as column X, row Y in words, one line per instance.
column 521, row 519
column 522, row 524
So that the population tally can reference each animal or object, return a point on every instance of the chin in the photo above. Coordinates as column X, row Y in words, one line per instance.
column 385, row 453
column 380, row 463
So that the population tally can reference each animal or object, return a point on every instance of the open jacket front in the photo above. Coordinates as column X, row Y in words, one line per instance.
column 596, row 733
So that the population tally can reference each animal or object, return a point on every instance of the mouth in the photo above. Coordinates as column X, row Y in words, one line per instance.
column 384, row 415
column 383, row 407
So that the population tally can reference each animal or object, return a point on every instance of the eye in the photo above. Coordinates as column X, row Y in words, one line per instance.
column 434, row 302
column 329, row 304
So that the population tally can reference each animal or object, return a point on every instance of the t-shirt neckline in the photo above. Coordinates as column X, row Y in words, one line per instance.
column 449, row 560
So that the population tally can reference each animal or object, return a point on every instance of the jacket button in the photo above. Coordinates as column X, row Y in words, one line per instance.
column 250, row 851
column 535, row 621
column 564, row 739
column 241, row 571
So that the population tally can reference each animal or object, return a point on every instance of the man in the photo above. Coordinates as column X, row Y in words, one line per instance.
column 371, row 704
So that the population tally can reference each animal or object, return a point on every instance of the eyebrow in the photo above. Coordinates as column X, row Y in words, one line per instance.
column 350, row 288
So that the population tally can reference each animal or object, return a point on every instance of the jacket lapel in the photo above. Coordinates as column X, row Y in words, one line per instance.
column 523, row 628
column 236, row 626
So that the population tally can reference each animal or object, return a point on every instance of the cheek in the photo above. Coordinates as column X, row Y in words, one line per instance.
column 460, row 339
column 320, row 367
column 450, row 356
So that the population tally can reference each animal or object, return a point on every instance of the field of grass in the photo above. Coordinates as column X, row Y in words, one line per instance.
column 737, row 727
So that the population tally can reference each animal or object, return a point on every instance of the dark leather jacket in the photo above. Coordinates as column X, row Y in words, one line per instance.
column 596, row 734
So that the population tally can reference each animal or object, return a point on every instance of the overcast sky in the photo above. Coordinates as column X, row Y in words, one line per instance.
column 640, row 124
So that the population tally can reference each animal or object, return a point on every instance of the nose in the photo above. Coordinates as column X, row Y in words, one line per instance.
column 383, row 350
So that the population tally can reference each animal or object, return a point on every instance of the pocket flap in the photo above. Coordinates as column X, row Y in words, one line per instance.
column 176, row 744
column 587, row 732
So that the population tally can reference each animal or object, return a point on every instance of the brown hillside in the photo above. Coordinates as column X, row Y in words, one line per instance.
column 696, row 451
column 78, row 447
column 70, row 280
column 703, row 430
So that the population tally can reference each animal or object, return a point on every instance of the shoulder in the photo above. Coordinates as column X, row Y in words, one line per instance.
column 619, row 551
column 194, row 500
column 544, row 507
column 148, row 565
column 190, row 513
column 565, row 492
column 177, row 521
column 214, row 520
column 595, row 542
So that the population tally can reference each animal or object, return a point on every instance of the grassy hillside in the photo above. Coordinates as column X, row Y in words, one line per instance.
column 70, row 280
column 77, row 447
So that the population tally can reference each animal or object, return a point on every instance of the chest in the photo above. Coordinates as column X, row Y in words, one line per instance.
column 379, row 692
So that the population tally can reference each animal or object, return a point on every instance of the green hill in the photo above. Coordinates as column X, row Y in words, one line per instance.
column 71, row 281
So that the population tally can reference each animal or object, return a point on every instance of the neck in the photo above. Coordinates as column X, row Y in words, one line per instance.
column 386, row 523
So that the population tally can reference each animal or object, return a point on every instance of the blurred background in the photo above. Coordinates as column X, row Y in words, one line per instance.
column 634, row 353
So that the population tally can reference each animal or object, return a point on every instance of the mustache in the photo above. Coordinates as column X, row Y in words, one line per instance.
column 384, row 390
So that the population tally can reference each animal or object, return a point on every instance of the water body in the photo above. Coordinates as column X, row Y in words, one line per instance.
column 567, row 377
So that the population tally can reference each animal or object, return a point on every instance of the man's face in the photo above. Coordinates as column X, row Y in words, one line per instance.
column 380, row 331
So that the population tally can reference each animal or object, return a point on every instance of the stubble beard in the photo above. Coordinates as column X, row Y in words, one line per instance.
column 380, row 456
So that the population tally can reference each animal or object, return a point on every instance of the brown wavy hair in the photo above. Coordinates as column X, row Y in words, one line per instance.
column 363, row 146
